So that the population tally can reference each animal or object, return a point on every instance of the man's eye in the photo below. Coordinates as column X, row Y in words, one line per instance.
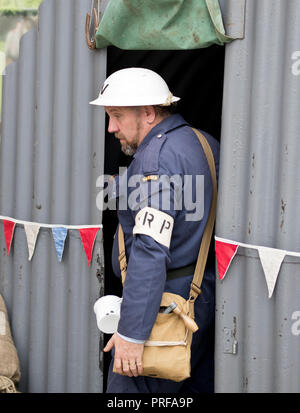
column 115, row 115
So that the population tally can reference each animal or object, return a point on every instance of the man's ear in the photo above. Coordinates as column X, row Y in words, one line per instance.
column 150, row 114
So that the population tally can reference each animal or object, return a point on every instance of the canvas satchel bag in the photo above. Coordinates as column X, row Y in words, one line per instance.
column 9, row 361
column 167, row 352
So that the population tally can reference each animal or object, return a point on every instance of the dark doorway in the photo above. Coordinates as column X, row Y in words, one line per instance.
column 196, row 76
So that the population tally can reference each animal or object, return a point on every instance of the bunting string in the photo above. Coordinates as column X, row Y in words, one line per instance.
column 18, row 221
column 59, row 232
column 241, row 244
column 271, row 259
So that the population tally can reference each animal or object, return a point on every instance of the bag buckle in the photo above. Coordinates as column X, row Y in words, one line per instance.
column 123, row 267
column 122, row 257
column 195, row 289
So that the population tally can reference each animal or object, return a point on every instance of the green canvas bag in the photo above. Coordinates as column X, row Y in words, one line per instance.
column 161, row 25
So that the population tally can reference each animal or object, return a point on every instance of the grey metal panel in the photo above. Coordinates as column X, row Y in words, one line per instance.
column 52, row 151
column 259, row 202
column 233, row 15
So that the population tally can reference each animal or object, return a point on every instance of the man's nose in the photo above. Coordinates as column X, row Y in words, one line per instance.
column 112, row 126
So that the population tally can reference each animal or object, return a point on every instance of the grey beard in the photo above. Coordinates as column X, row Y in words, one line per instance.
column 129, row 150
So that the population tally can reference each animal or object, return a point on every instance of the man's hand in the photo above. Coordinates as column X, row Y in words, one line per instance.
column 128, row 356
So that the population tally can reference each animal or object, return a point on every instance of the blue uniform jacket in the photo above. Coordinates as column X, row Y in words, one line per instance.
column 170, row 149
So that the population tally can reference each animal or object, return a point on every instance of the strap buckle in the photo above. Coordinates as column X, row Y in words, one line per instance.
column 195, row 288
column 121, row 256
column 123, row 267
column 122, row 260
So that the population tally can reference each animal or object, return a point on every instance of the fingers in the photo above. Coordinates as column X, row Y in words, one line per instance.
column 128, row 357
column 122, row 367
column 128, row 367
column 118, row 365
column 133, row 368
column 109, row 344
column 139, row 365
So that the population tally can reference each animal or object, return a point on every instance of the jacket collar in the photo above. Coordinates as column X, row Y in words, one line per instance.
column 165, row 126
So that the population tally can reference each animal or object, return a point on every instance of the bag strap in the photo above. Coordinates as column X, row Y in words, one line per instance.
column 206, row 238
column 122, row 254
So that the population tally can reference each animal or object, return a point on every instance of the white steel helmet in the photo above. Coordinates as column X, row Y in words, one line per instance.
column 134, row 86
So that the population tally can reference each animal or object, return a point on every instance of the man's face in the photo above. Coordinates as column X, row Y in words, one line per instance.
column 126, row 124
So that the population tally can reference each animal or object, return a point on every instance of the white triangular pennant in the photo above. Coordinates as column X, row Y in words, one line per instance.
column 31, row 231
column 271, row 260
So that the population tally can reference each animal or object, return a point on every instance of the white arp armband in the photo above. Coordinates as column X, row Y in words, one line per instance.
column 156, row 224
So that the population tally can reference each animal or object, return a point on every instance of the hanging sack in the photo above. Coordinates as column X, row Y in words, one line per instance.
column 9, row 362
column 161, row 25
column 167, row 352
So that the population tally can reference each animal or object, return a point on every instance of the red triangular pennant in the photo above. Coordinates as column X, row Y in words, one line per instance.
column 225, row 253
column 9, row 227
column 88, row 236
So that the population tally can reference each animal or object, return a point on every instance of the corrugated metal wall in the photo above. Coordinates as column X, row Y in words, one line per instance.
column 51, row 155
column 259, row 202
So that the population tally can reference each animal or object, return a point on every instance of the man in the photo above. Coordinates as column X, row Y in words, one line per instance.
column 166, row 151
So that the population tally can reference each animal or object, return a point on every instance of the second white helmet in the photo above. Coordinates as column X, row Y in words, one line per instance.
column 134, row 87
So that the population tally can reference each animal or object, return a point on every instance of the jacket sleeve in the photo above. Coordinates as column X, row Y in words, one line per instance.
column 146, row 270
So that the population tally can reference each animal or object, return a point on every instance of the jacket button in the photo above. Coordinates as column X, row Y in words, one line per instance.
column 159, row 135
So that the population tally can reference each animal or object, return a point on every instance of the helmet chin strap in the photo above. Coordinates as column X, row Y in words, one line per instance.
column 168, row 101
